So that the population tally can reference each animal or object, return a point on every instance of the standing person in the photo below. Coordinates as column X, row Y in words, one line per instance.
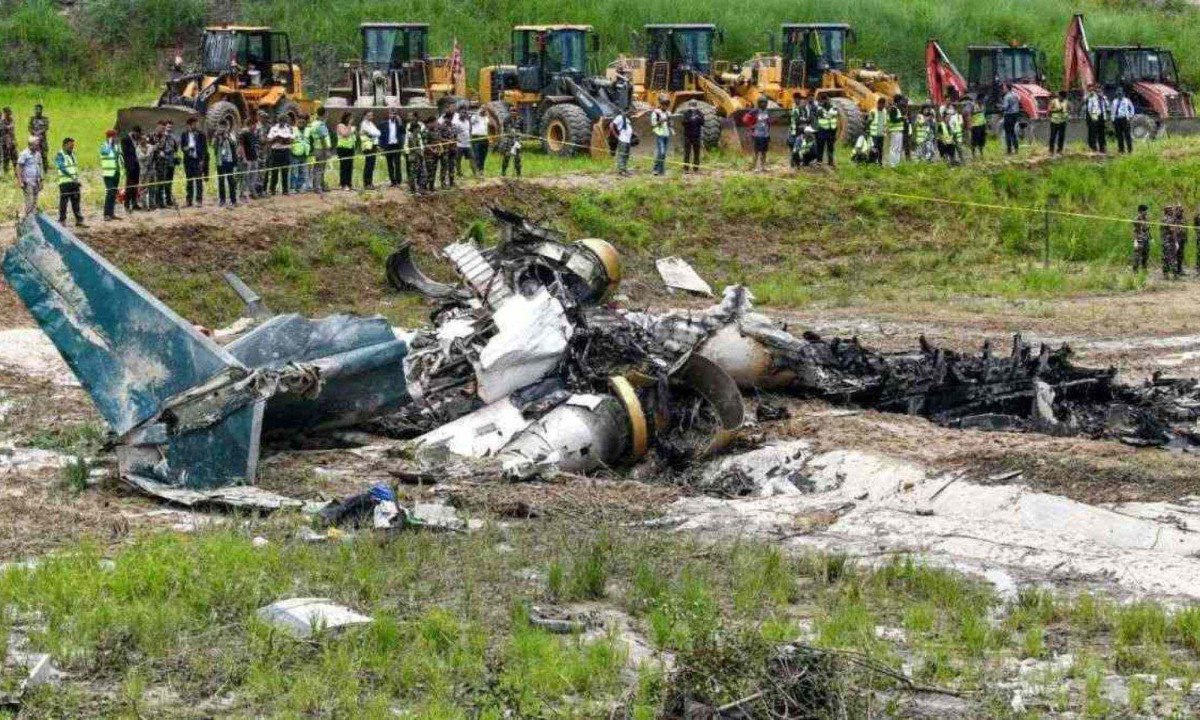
column 321, row 146
column 827, row 124
column 279, row 139
column 226, row 150
column 1121, row 113
column 29, row 174
column 39, row 126
column 1167, row 234
column 955, row 123
column 8, row 141
column 1010, row 106
column 133, row 168
column 945, row 137
column 622, row 127
column 168, row 158
column 1058, row 122
column 1141, row 239
column 895, row 128
column 510, row 148
column 249, row 151
column 347, row 137
column 446, row 142
column 660, row 125
column 693, row 136
column 479, row 140
column 300, row 154
column 368, row 140
column 432, row 155
column 392, row 140
column 923, row 136
column 147, row 160
column 111, row 160
column 977, row 114
column 1095, row 111
column 760, row 131
column 195, row 162
column 461, row 122
column 69, row 188
column 877, row 123
column 414, row 141
column 1181, row 236
column 1196, row 227
column 264, row 154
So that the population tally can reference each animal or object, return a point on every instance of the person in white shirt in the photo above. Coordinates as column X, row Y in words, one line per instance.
column 461, row 122
column 1122, row 113
column 368, row 139
column 660, row 122
column 622, row 127
column 479, row 141
column 29, row 173
column 279, row 139
column 1095, row 113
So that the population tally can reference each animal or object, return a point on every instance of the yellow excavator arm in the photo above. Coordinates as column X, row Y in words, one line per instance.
column 725, row 103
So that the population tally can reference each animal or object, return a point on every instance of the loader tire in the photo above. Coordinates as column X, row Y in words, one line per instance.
column 223, row 114
column 566, row 130
column 710, row 132
column 850, row 120
column 1143, row 127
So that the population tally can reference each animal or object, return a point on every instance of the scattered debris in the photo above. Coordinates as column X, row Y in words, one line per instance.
column 305, row 617
column 237, row 497
column 678, row 275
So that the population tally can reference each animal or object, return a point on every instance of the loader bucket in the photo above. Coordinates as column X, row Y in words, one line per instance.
column 147, row 117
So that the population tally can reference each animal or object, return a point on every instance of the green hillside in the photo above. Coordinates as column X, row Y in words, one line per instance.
column 120, row 44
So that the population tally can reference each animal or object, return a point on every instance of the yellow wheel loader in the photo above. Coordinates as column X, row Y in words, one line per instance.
column 241, row 70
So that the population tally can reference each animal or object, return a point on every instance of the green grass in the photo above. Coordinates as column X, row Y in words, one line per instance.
column 451, row 636
column 111, row 44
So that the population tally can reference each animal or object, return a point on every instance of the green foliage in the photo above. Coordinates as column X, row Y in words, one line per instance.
column 75, row 474
column 112, row 43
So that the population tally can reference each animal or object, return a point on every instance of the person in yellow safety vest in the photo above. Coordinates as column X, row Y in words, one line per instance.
column 347, row 138
column 923, row 131
column 955, row 121
column 1058, row 122
column 895, row 129
column 319, row 145
column 877, row 126
column 68, row 183
column 110, row 167
column 863, row 150
column 827, row 122
column 368, row 140
column 974, row 110
column 300, row 154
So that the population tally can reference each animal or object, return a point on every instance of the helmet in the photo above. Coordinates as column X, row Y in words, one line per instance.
column 808, row 130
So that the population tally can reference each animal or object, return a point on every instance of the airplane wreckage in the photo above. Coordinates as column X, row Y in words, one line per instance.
column 528, row 366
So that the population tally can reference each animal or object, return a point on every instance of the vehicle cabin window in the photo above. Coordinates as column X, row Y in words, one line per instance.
column 383, row 47
column 565, row 52
column 694, row 49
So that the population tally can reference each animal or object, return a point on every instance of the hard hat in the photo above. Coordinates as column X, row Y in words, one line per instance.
column 808, row 129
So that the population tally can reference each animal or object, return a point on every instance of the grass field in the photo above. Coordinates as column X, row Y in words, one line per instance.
column 169, row 629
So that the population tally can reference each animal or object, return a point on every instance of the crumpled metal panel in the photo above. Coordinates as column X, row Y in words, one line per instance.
column 130, row 351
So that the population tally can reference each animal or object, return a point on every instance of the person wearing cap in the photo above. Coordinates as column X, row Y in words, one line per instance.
column 111, row 161
column 1121, row 111
column 8, row 141
column 166, row 158
column 29, row 173
column 621, row 127
column 693, row 136
column 68, row 183
column 804, row 151
column 39, row 126
column 195, row 162
column 1095, row 113
column 1141, row 239
column 660, row 125
column 133, row 168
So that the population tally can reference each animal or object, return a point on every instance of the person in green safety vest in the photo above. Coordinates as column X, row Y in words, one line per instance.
column 976, row 117
column 347, row 138
column 68, row 183
column 864, row 150
column 955, row 123
column 827, row 124
column 895, row 131
column 320, row 146
column 1059, row 115
column 300, row 153
column 110, row 168
column 368, row 140
column 924, row 130
column 877, row 126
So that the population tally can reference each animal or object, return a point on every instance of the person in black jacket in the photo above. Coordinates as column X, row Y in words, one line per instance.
column 391, row 139
column 693, row 136
column 195, row 161
column 133, row 170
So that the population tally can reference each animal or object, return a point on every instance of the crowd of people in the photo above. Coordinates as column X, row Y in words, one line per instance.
column 1173, row 236
column 269, row 156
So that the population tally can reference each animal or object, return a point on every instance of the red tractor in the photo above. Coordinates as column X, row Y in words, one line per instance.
column 991, row 68
column 1147, row 75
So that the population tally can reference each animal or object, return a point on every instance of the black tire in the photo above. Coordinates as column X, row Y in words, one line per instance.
column 850, row 119
column 223, row 114
column 1144, row 127
column 565, row 130
column 710, row 131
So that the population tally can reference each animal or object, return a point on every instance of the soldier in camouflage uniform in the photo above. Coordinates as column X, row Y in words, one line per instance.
column 1141, row 239
column 8, row 141
column 39, row 126
column 1170, row 246
column 1181, row 237
column 1196, row 225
